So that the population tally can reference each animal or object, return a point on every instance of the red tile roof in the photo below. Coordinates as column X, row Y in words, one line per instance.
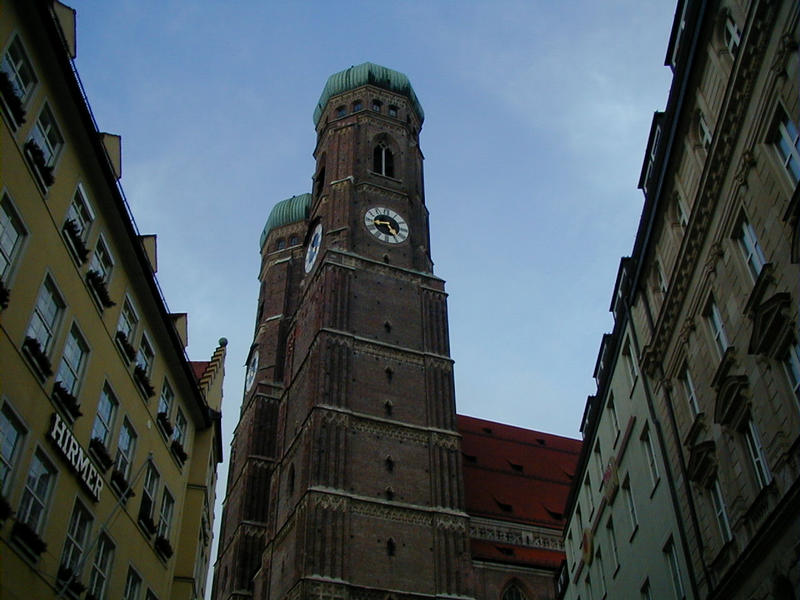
column 515, row 474
column 507, row 554
column 199, row 367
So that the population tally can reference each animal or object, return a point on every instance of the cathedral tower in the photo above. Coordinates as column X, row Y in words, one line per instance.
column 345, row 476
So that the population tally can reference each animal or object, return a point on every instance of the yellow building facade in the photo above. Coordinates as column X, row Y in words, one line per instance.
column 109, row 435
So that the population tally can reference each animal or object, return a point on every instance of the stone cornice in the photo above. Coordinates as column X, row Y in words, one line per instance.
column 720, row 158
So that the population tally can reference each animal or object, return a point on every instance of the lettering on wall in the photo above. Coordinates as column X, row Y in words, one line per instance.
column 76, row 456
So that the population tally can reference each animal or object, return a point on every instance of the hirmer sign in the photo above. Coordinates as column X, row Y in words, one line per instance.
column 76, row 456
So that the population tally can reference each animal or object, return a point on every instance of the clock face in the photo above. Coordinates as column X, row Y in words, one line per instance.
column 313, row 247
column 386, row 225
column 252, row 367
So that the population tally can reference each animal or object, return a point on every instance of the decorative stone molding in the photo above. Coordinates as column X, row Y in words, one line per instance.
column 732, row 117
column 702, row 465
column 396, row 432
column 786, row 49
column 517, row 535
column 391, row 513
column 746, row 163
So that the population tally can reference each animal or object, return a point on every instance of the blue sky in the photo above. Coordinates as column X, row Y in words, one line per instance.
column 537, row 116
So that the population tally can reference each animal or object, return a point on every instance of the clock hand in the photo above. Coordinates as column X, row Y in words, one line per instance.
column 392, row 230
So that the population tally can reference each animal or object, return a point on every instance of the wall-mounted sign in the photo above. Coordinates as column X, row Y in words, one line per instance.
column 76, row 456
column 611, row 479
column 587, row 545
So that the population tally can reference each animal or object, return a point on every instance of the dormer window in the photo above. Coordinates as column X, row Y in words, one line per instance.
column 383, row 160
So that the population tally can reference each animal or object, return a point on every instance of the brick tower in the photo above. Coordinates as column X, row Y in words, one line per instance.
column 345, row 477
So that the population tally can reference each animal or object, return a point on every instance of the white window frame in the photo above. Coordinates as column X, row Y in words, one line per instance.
column 791, row 365
column 14, row 68
column 10, row 221
column 81, row 212
column 612, row 408
column 9, row 462
column 612, row 542
column 682, row 213
column 751, row 249
column 104, row 425
column 37, row 499
column 660, row 277
column 675, row 570
column 125, row 451
column 650, row 455
column 180, row 434
column 102, row 259
column 786, row 140
column 48, row 323
column 128, row 319
column 102, row 561
column 75, row 542
column 717, row 326
column 755, row 450
column 732, row 35
column 166, row 514
column 47, row 135
column 166, row 399
column 633, row 515
column 146, row 355
column 704, row 135
column 69, row 374
column 630, row 364
column 689, row 392
column 150, row 489
column 720, row 511
column 133, row 585
column 598, row 461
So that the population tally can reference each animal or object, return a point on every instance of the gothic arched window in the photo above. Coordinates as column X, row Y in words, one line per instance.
column 383, row 160
column 513, row 592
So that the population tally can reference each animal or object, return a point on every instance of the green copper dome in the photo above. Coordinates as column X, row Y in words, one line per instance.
column 367, row 74
column 287, row 211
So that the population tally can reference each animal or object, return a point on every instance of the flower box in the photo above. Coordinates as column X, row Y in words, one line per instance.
column 37, row 356
column 100, row 452
column 178, row 451
column 163, row 422
column 5, row 509
column 74, row 586
column 99, row 287
column 5, row 295
column 163, row 547
column 121, row 485
column 73, row 235
column 28, row 537
column 12, row 102
column 36, row 157
column 66, row 399
column 127, row 349
column 147, row 523
column 140, row 375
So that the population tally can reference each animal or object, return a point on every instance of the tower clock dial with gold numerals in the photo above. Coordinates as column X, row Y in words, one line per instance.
column 386, row 225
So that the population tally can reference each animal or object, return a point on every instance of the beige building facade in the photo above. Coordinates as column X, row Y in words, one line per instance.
column 109, row 435
column 710, row 301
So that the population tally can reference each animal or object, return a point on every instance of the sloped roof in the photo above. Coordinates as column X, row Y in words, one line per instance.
column 367, row 74
column 516, row 555
column 514, row 474
column 199, row 367
column 287, row 211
